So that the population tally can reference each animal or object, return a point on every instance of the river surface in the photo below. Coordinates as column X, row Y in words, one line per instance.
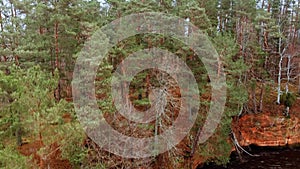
column 269, row 158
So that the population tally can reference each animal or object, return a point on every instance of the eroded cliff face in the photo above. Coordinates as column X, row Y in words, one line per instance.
column 267, row 129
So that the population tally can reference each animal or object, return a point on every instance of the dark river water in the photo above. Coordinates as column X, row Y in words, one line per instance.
column 269, row 158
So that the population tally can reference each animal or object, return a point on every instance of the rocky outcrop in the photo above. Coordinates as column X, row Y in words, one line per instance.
column 267, row 130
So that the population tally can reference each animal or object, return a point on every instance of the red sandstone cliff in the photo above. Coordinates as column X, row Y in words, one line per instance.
column 267, row 130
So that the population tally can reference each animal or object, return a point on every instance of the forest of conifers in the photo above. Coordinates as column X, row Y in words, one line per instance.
column 258, row 46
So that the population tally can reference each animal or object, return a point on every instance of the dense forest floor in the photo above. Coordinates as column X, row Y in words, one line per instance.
column 53, row 160
column 268, row 128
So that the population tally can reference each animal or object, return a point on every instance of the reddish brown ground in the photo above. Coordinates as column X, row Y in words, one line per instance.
column 52, row 160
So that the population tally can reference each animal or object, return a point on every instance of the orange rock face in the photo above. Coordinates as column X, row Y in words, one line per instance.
column 267, row 130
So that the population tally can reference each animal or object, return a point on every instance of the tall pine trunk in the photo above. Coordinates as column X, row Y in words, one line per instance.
column 57, row 64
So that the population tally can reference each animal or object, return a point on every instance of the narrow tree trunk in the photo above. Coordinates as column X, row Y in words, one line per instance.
column 123, row 87
column 279, row 79
column 262, row 91
column 1, row 27
column 261, row 35
column 238, row 146
column 13, row 38
column 56, row 45
column 254, row 100
column 2, row 36
column 19, row 136
column 16, row 39
column 288, row 74
column 147, row 85
column 281, row 54
column 57, row 64
column 18, row 130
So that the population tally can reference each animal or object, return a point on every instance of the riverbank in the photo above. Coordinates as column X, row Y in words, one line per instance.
column 272, row 135
column 266, row 158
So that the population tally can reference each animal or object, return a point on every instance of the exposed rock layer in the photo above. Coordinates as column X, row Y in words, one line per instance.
column 267, row 130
